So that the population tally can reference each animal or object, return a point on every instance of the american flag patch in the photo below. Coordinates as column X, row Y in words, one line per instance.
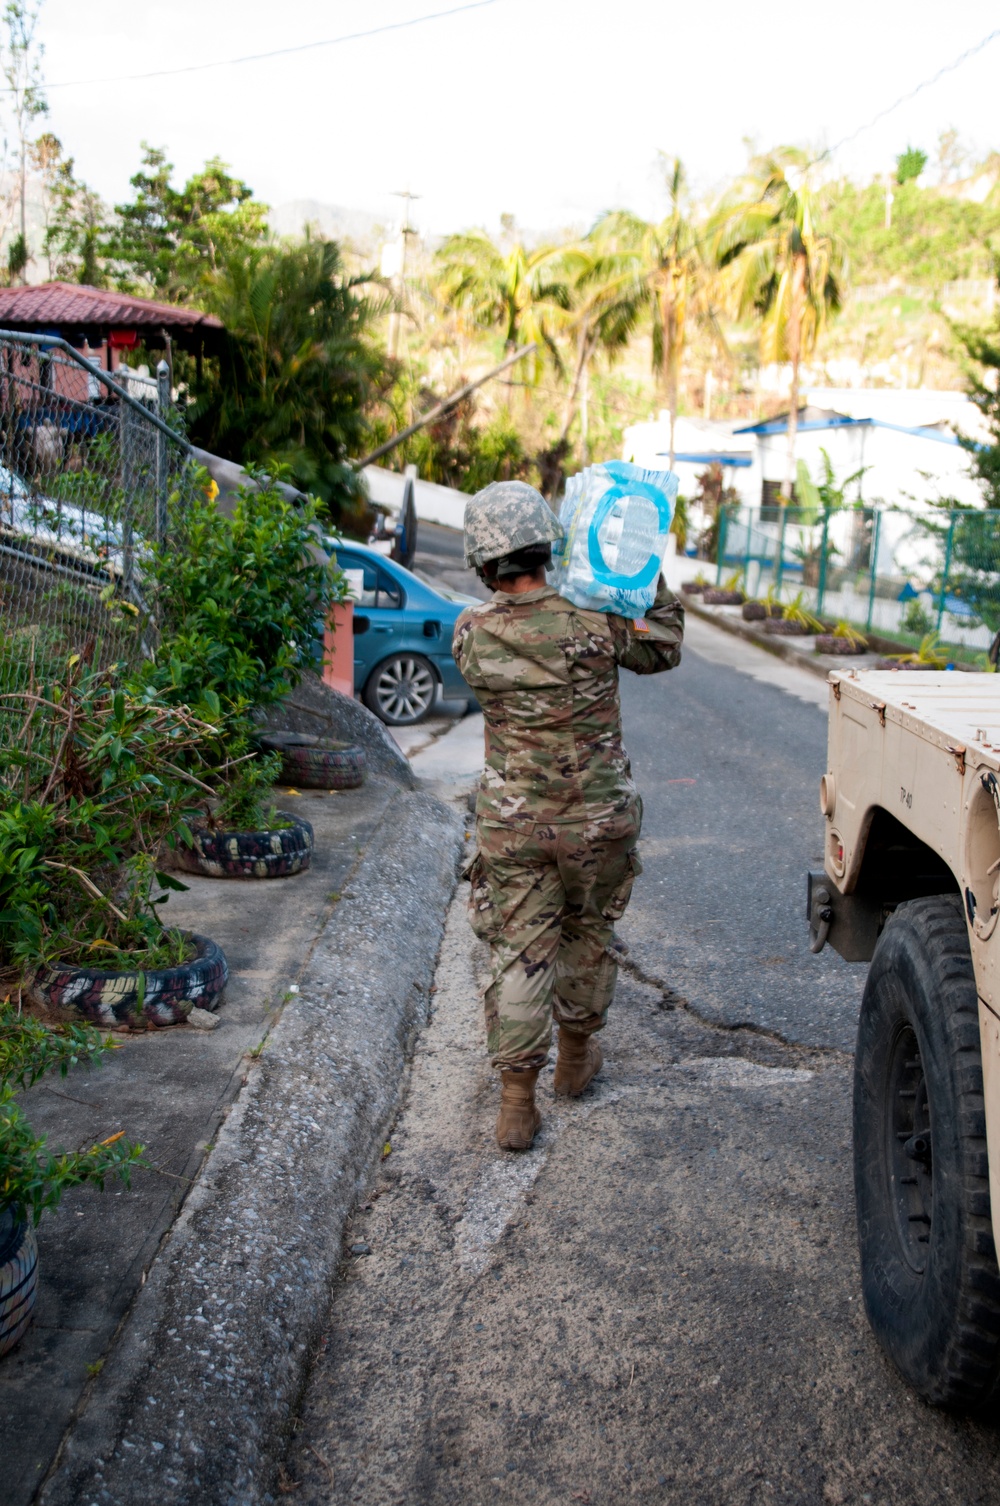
column 640, row 625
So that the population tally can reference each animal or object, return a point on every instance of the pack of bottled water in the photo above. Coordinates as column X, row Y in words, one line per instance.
column 617, row 517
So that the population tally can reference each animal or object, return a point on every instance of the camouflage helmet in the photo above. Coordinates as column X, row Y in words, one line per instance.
column 504, row 517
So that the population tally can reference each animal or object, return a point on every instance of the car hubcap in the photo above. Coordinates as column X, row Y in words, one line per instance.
column 405, row 690
column 908, row 1149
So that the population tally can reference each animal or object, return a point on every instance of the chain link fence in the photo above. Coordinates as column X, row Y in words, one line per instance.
column 87, row 464
column 884, row 570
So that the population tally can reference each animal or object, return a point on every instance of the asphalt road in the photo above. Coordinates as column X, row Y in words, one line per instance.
column 660, row 1301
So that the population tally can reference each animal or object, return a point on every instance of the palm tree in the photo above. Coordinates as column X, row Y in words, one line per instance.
column 605, row 313
column 523, row 294
column 298, row 369
column 660, row 266
column 782, row 268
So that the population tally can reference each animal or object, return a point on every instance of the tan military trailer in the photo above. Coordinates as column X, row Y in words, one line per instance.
column 911, row 806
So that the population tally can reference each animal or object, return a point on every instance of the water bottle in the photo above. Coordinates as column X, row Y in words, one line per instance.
column 617, row 518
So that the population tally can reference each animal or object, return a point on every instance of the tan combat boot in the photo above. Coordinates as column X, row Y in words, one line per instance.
column 519, row 1121
column 578, row 1059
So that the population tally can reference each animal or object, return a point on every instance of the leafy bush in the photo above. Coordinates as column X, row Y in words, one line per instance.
column 89, row 793
column 241, row 598
column 916, row 620
column 243, row 804
column 31, row 1178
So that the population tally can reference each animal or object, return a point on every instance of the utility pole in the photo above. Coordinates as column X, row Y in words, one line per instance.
column 399, row 272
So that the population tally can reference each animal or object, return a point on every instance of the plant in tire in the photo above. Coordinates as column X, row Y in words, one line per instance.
column 928, row 1263
column 90, row 792
column 239, row 598
column 33, row 1178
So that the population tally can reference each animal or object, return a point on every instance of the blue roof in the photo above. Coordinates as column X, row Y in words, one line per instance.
column 844, row 421
column 715, row 458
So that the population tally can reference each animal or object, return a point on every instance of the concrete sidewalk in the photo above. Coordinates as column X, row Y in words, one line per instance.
column 129, row 1387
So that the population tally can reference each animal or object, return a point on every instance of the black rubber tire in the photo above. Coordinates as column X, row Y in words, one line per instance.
column 398, row 709
column 112, row 998
column 18, row 1279
column 249, row 854
column 928, row 1264
column 323, row 766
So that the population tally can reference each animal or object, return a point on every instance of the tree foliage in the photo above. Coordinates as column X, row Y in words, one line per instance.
column 299, row 369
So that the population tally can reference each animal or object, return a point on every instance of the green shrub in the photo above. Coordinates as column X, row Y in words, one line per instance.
column 242, row 599
column 916, row 620
column 89, row 793
column 32, row 1179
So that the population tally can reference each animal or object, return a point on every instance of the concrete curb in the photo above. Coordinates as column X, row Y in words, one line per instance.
column 195, row 1400
column 779, row 647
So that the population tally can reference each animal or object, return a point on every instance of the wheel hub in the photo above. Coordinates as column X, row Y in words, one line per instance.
column 908, row 1149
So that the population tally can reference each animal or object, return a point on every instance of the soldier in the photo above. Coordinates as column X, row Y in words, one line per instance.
column 558, row 815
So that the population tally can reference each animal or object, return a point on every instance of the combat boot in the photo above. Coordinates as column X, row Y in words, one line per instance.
column 578, row 1059
column 519, row 1121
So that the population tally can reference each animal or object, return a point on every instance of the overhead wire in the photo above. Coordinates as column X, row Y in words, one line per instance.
column 275, row 52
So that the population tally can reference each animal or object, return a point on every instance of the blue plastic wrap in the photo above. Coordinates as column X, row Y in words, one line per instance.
column 617, row 518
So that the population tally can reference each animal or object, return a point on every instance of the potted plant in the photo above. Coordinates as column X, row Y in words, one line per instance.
column 89, row 797
column 927, row 656
column 844, row 640
column 694, row 587
column 729, row 594
column 32, row 1179
column 241, row 834
column 767, row 606
column 795, row 621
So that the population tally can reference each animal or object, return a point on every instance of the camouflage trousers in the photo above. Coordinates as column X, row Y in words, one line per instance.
column 545, row 898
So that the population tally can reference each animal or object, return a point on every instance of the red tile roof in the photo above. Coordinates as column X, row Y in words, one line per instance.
column 54, row 304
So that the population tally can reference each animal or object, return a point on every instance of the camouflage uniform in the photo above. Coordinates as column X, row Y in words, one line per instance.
column 558, row 815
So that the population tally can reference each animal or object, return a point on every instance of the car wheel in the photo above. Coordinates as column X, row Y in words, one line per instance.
column 401, row 690
column 928, row 1264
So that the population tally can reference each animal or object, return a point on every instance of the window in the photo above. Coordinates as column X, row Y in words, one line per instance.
column 371, row 585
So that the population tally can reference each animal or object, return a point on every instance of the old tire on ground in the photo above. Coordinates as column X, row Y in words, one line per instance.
column 319, row 765
column 401, row 690
column 18, row 1278
column 831, row 643
column 249, row 854
column 928, row 1264
column 161, row 996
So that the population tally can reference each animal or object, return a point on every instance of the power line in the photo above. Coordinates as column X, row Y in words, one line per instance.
column 905, row 98
column 259, row 57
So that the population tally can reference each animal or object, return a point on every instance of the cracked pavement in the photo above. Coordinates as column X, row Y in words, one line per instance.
column 660, row 1301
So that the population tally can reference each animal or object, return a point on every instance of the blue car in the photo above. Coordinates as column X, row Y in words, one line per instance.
column 402, row 637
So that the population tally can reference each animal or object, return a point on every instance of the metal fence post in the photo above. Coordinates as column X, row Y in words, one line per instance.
column 947, row 569
column 746, row 555
column 162, row 458
column 779, row 564
column 873, row 568
column 821, row 584
column 720, row 543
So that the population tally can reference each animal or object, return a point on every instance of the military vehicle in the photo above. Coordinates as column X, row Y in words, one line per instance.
column 911, row 806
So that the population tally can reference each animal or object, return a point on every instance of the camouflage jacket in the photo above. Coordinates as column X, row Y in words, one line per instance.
column 546, row 675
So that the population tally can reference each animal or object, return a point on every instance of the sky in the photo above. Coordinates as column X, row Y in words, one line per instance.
column 548, row 110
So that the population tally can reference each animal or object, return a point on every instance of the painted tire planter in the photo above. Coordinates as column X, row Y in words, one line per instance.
column 786, row 629
column 760, row 611
column 691, row 588
column 830, row 643
column 895, row 664
column 715, row 598
column 318, row 765
column 112, row 999
column 249, row 854
column 18, row 1278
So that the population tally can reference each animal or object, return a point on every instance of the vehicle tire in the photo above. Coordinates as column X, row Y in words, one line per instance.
column 317, row 765
column 18, row 1278
column 249, row 854
column 161, row 996
column 401, row 690
column 928, row 1264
